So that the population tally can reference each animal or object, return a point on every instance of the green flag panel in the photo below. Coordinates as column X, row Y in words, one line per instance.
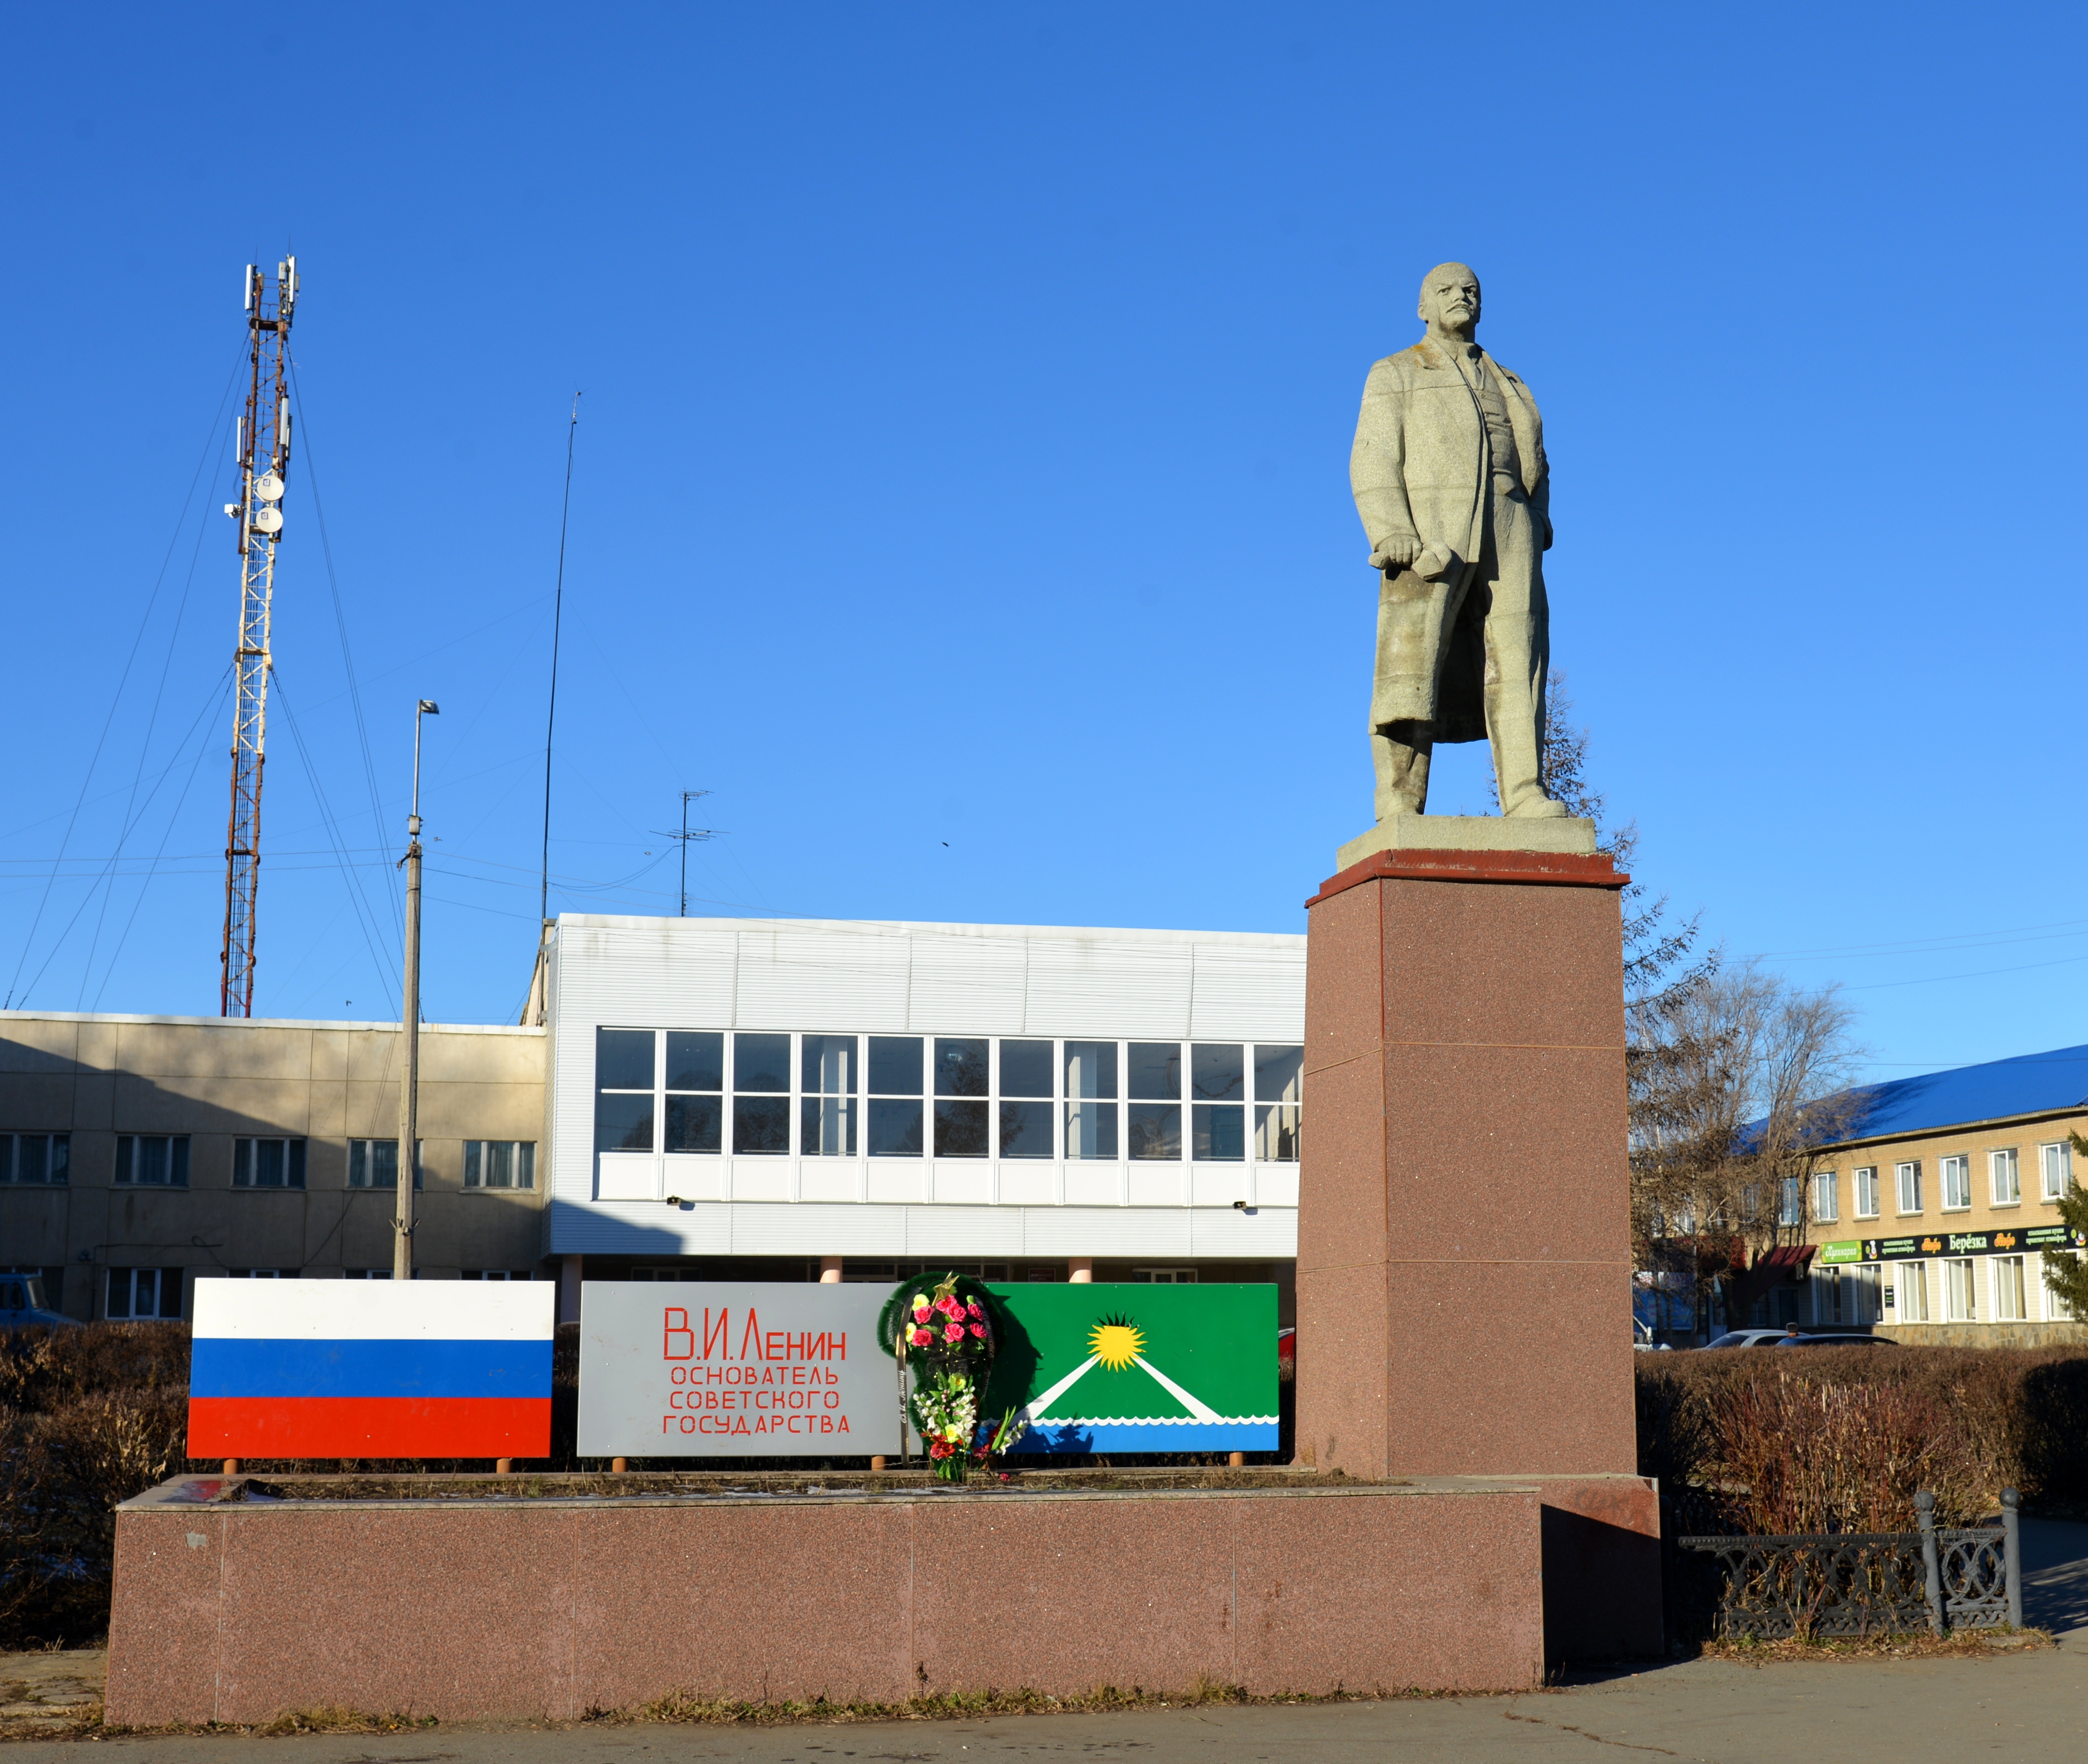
column 1138, row 1367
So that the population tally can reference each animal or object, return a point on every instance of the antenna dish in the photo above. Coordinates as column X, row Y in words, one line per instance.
column 268, row 519
column 268, row 487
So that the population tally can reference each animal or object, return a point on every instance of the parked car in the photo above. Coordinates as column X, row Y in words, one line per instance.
column 22, row 1305
column 1747, row 1338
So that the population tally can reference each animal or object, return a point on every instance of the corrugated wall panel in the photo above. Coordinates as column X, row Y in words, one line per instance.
column 675, row 976
column 1248, row 994
column 1107, row 987
column 968, row 985
column 821, row 980
column 1269, row 1231
column 1113, row 1230
column 818, row 1229
column 964, row 1233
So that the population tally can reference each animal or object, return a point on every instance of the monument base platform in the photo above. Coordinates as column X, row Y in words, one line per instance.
column 1570, row 836
column 527, row 1603
column 1464, row 1253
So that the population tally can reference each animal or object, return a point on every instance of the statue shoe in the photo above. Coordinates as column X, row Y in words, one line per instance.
column 1536, row 809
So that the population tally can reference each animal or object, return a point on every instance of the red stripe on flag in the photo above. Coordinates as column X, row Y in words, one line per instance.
column 369, row 1427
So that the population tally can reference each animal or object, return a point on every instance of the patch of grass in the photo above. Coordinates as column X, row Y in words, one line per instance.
column 1959, row 1644
column 693, row 1707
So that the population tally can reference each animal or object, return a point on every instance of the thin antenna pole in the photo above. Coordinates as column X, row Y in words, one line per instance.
column 551, row 715
column 685, row 835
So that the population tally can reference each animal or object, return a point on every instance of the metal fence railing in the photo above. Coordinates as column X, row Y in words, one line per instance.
column 1849, row 1584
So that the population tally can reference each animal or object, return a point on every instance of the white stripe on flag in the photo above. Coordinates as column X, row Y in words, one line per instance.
column 375, row 1310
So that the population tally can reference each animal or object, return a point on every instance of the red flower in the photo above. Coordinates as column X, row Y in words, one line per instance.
column 973, row 1308
column 940, row 1448
column 979, row 1330
column 920, row 1337
column 948, row 1305
column 953, row 1332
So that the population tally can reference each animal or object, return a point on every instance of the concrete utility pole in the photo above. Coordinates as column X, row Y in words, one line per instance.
column 409, row 1082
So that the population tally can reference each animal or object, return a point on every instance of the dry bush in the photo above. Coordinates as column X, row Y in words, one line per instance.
column 1805, row 1437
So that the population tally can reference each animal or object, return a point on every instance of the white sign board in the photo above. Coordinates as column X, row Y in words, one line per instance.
column 733, row 1369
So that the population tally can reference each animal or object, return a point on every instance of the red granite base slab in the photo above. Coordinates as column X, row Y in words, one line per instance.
column 546, row 1609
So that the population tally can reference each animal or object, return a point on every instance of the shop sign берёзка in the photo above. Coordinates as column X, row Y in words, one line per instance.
column 733, row 1369
column 2003, row 1240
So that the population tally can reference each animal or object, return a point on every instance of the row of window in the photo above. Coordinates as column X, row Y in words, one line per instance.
column 958, row 1096
column 161, row 1160
column 1915, row 1296
column 1954, row 1174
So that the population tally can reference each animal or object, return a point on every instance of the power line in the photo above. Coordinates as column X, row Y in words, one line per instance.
column 340, row 614
column 215, row 691
column 366, row 915
column 551, row 713
column 152, row 869
column 116, row 699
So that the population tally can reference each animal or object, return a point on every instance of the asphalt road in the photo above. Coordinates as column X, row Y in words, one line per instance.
column 2030, row 1705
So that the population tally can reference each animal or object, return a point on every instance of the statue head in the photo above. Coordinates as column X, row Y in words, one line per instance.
column 1450, row 300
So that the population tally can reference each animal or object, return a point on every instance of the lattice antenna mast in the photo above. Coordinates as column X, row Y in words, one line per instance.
column 265, row 462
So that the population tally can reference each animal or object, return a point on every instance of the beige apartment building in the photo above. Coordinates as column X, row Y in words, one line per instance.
column 139, row 1154
column 1934, row 1223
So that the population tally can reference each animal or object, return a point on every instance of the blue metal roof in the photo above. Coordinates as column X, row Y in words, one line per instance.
column 2029, row 1084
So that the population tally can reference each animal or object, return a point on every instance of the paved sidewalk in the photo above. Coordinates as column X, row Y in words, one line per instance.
column 2032, row 1706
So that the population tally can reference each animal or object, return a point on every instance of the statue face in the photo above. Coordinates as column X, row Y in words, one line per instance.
column 1450, row 298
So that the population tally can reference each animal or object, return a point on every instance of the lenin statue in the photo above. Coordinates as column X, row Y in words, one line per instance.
column 1449, row 478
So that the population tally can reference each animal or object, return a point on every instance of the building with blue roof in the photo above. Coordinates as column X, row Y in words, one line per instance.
column 1933, row 1219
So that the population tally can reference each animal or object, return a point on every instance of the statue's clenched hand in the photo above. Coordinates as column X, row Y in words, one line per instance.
column 1396, row 551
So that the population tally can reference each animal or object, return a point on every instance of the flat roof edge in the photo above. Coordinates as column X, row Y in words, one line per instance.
column 261, row 1023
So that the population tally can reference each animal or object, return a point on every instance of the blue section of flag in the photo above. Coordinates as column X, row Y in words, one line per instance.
column 1049, row 1436
column 221, row 1366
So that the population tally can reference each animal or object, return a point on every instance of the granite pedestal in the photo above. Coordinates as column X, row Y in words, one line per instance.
column 1464, row 1266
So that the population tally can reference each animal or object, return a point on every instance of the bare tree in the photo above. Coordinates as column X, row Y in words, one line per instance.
column 1739, row 1079
column 1736, row 1078
column 1658, row 956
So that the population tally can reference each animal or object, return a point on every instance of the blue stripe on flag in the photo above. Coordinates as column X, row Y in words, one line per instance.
column 221, row 1366
column 1050, row 1436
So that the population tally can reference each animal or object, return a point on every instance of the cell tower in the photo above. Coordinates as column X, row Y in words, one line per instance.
column 264, row 460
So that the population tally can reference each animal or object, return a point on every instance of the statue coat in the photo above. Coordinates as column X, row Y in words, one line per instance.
column 1421, row 465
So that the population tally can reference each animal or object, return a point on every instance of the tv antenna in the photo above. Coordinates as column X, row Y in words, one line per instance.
column 688, row 836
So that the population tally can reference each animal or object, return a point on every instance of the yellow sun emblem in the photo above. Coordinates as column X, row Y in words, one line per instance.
column 1116, row 1341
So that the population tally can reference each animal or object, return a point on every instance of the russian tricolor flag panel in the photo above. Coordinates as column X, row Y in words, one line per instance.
column 371, row 1368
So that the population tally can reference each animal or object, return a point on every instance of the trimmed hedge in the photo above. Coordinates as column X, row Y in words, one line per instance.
column 1794, row 1440
column 1780, row 1440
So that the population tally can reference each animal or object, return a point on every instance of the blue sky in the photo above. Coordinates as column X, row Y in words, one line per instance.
column 960, row 492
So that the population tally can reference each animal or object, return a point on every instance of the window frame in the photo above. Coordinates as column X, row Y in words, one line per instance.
column 1826, row 1184
column 56, row 1160
column 522, row 1167
column 1906, row 1179
column 246, row 1156
column 1960, row 1278
column 161, row 1276
column 1865, row 1179
column 1999, row 1159
column 2018, row 1277
column 2054, row 1166
column 127, row 1152
column 1953, row 1172
column 391, row 1187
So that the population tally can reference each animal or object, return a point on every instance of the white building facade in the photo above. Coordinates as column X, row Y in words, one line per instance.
column 870, row 1094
